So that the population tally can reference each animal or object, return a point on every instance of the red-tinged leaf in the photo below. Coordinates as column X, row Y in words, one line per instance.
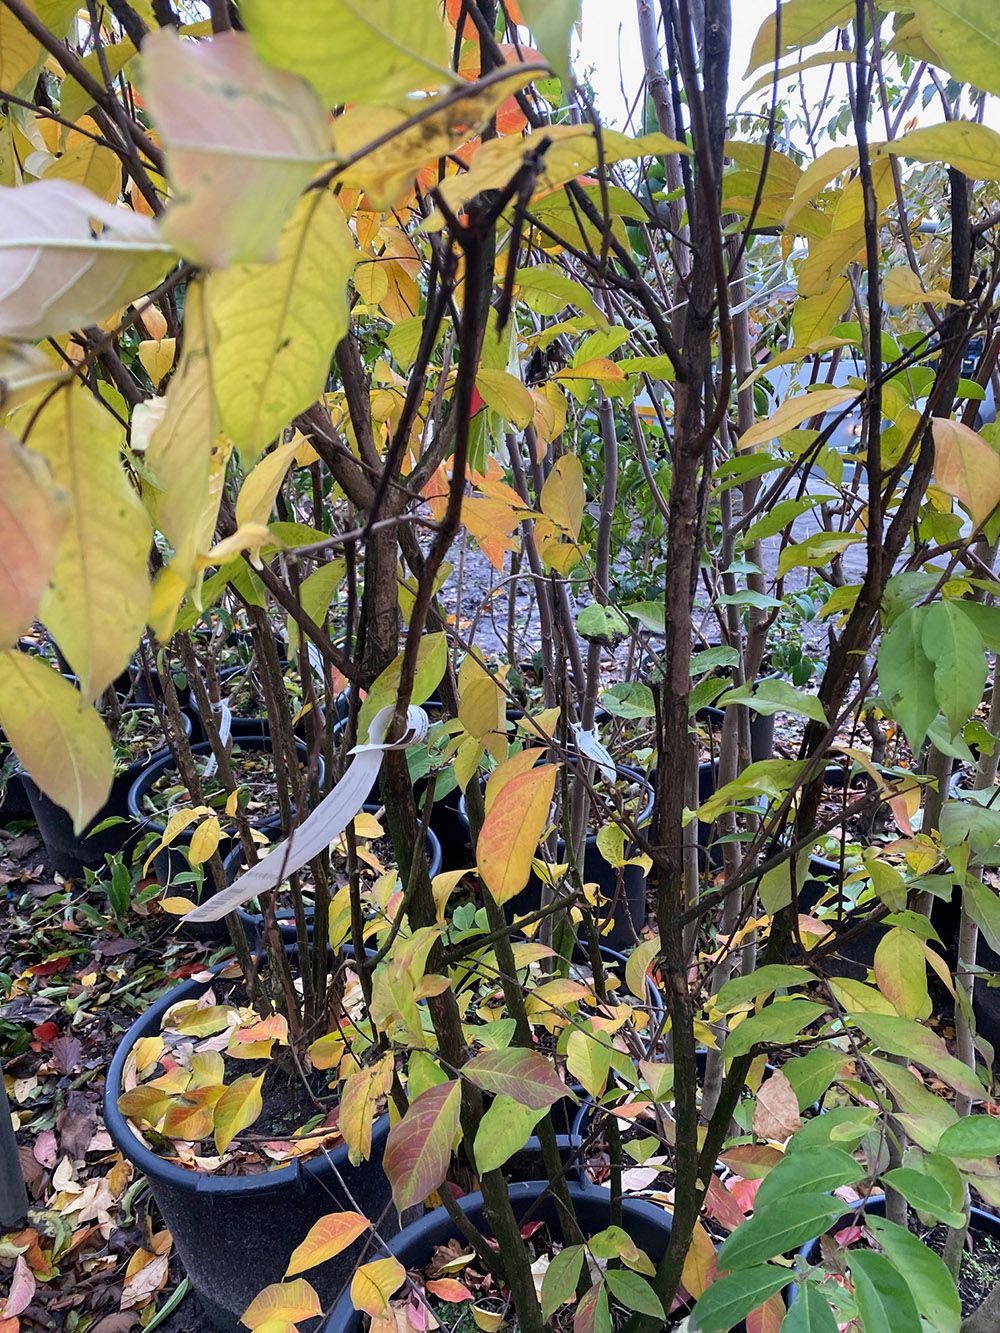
column 512, row 830
column 743, row 1191
column 22, row 1290
column 966, row 467
column 593, row 1314
column 418, row 1149
column 46, row 969
column 529, row 1229
column 326, row 1238
column 767, row 1318
column 45, row 1032
column 722, row 1207
column 524, row 1076
column 66, row 1053
column 848, row 1235
column 449, row 1289
column 700, row 1263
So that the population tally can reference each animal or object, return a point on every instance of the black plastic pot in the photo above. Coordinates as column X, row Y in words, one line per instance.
column 253, row 922
column 235, row 1234
column 646, row 1224
column 856, row 954
column 761, row 729
column 946, row 917
column 172, row 860
column 69, row 853
column 14, row 802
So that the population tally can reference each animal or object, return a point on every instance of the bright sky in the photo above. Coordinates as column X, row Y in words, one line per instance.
column 611, row 45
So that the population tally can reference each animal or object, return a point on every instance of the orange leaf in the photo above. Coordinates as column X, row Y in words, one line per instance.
column 327, row 1237
column 700, row 1263
column 966, row 467
column 448, row 1289
column 511, row 832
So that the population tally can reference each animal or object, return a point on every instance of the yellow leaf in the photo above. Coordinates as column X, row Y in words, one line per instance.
column 204, row 1022
column 970, row 147
column 511, row 831
column 599, row 368
column 387, row 173
column 275, row 325
column 249, row 538
column 204, row 841
column 901, row 973
column 966, row 467
column 813, row 317
column 367, row 51
column 59, row 739
column 157, row 357
column 506, row 396
column 291, row 1301
column 792, row 413
column 374, row 1283
column 963, row 34
column 88, row 163
column 482, row 704
column 492, row 523
column 242, row 139
column 177, row 906
column 19, row 51
column 238, row 1107
column 326, row 1051
column 96, row 605
column 563, row 496
column 802, row 23
column 901, row 286
column 261, row 485
column 32, row 515
column 328, row 1237
column 442, row 887
column 187, row 455
column 147, row 1052
column 359, row 1101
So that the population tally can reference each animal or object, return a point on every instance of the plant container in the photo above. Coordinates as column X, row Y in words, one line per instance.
column 645, row 1223
column 70, row 854
column 235, row 1234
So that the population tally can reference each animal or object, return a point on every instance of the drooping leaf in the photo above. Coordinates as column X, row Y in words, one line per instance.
column 906, row 676
column 901, row 973
column 552, row 23
column 328, row 1237
column 525, row 1076
column 32, row 514
column 373, row 1284
column 59, row 739
column 966, row 466
column 802, row 23
column 775, row 696
column 903, row 1036
column 97, row 603
column 242, row 142
column 884, row 1299
column 274, row 326
column 792, row 413
column 511, row 831
column 503, row 1131
column 928, row 1278
column 951, row 641
column 262, row 483
column 69, row 259
column 561, row 1277
column 811, row 1313
column 779, row 1022
column 418, row 1149
column 237, row 1109
column 731, row 1298
column 963, row 34
column 290, row 1301
column 366, row 51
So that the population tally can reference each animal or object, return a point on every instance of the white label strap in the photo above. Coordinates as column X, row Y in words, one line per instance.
column 224, row 715
column 325, row 824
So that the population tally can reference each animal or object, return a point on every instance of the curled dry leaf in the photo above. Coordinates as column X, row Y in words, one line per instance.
column 776, row 1116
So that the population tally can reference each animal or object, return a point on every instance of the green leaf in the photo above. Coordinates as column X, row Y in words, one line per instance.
column 843, row 1126
column 902, row 1036
column 731, row 1298
column 812, row 1074
column 588, row 1059
column 816, row 551
column 316, row 593
column 983, row 906
column 779, row 515
column 418, row 1149
column 634, row 1292
column 552, row 22
column 629, row 699
column 366, row 51
column 925, row 1272
column 811, row 1313
column 601, row 624
column 973, row 1136
column 884, row 1300
column 814, row 1172
column 971, row 148
column 525, row 1076
column 901, row 973
column 763, row 981
column 561, row 1277
column 780, row 1022
column 649, row 614
column 955, row 647
column 924, row 1193
column 778, row 1229
column 776, row 696
column 710, row 658
column 767, row 777
column 906, row 676
column 432, row 659
column 503, row 1131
